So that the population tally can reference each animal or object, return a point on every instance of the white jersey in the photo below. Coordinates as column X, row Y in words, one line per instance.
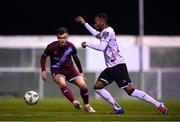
column 108, row 38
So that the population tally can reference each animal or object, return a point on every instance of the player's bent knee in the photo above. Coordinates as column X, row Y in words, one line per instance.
column 129, row 91
column 96, row 87
column 99, row 85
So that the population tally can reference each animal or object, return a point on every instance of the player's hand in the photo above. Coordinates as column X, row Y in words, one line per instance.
column 82, row 74
column 83, row 44
column 80, row 20
column 44, row 75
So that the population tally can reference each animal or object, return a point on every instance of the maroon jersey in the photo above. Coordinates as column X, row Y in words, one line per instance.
column 61, row 57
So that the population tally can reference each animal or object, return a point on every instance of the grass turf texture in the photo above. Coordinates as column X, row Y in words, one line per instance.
column 62, row 110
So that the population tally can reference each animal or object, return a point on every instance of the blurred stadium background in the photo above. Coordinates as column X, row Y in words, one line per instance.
column 27, row 28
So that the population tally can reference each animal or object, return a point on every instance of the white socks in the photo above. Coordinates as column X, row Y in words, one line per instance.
column 107, row 96
column 136, row 93
column 143, row 96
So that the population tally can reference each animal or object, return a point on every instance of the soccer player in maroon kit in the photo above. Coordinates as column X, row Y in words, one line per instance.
column 62, row 69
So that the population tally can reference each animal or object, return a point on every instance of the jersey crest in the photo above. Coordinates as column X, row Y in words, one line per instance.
column 55, row 52
column 105, row 34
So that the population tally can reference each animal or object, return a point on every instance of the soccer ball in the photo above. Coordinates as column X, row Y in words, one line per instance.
column 31, row 97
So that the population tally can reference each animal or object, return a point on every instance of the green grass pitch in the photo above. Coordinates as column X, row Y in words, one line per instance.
column 62, row 110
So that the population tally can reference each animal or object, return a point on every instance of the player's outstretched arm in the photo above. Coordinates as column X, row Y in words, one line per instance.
column 93, row 31
column 99, row 47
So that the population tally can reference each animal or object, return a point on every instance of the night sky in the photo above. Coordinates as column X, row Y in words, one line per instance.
column 162, row 17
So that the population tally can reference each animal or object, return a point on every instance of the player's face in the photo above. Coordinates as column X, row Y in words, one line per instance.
column 63, row 39
column 99, row 23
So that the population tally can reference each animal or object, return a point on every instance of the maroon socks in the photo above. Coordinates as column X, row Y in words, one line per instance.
column 68, row 93
column 85, row 96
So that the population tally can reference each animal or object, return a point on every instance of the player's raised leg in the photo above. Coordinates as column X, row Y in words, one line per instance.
column 145, row 97
column 99, row 88
column 60, row 80
column 79, row 81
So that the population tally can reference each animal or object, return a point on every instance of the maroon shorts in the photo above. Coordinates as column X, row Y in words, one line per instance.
column 69, row 73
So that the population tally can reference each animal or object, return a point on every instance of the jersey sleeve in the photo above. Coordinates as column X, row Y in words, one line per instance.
column 76, row 59
column 92, row 30
column 74, row 51
column 46, row 52
column 43, row 59
column 99, row 47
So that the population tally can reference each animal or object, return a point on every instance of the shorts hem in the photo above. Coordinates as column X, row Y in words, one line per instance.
column 126, row 85
column 103, row 80
column 70, row 80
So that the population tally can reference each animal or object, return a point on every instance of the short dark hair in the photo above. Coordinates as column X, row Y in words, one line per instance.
column 103, row 16
column 61, row 30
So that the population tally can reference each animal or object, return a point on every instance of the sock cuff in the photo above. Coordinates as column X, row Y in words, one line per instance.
column 98, row 90
column 84, row 90
column 65, row 88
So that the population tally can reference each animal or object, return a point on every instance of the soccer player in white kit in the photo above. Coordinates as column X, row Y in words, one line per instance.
column 116, row 67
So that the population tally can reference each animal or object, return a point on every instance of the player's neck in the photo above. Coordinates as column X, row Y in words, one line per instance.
column 62, row 45
column 105, row 26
